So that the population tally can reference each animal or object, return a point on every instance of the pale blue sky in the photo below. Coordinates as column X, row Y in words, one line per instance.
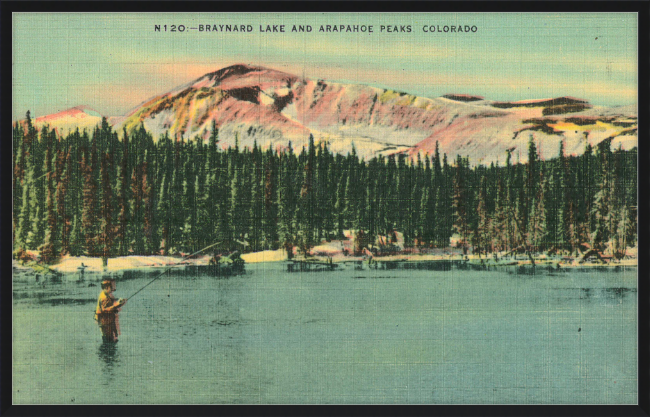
column 112, row 62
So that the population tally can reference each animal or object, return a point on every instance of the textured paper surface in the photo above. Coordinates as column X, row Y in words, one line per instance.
column 456, row 192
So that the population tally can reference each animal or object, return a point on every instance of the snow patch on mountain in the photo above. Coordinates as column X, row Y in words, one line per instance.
column 257, row 104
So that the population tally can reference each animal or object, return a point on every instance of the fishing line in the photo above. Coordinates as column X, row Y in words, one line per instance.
column 169, row 268
column 49, row 172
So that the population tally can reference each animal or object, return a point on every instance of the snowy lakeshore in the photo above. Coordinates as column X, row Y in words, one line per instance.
column 89, row 267
column 73, row 267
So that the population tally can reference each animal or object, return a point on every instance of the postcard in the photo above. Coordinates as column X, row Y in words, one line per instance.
column 324, row 208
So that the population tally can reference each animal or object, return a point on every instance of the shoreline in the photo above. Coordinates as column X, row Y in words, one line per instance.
column 70, row 265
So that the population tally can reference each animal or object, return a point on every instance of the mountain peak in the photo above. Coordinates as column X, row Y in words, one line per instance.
column 77, row 112
column 251, row 103
column 79, row 116
column 233, row 70
column 244, row 71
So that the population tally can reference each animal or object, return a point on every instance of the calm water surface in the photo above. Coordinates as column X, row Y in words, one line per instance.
column 371, row 336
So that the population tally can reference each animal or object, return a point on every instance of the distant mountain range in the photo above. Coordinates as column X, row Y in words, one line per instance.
column 273, row 108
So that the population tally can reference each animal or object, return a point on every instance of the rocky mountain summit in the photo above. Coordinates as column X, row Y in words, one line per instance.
column 252, row 103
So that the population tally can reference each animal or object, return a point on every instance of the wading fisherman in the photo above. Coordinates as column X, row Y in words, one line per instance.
column 106, row 313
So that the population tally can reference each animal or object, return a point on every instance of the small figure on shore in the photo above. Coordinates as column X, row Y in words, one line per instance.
column 216, row 258
column 106, row 313
column 81, row 270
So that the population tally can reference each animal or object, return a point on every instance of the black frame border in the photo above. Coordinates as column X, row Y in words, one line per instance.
column 640, row 7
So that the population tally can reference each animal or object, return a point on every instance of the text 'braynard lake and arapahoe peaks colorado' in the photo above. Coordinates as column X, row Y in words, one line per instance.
column 235, row 28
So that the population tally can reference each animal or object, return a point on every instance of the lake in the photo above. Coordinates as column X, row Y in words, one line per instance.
column 398, row 336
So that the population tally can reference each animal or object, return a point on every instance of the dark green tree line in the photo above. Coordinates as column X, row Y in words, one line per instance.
column 102, row 194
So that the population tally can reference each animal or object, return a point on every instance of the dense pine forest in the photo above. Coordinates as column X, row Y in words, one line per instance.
column 106, row 193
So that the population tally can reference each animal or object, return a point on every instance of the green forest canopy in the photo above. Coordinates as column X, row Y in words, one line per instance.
column 103, row 195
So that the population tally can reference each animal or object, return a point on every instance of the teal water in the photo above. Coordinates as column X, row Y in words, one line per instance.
column 345, row 337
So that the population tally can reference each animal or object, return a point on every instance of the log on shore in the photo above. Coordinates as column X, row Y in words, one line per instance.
column 594, row 252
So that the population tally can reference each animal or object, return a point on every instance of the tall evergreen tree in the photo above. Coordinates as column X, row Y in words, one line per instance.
column 499, row 222
column 603, row 208
column 483, row 228
column 105, row 237
column 286, row 228
column 537, row 224
column 461, row 217
column 50, row 249
column 270, row 212
column 63, row 212
column 24, row 218
column 150, row 240
column 306, row 200
column 89, row 212
column 122, row 197
column 189, row 203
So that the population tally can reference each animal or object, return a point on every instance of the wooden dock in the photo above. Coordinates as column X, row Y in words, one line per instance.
column 307, row 266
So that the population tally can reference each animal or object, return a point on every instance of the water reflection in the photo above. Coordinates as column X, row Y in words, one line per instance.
column 605, row 294
column 108, row 353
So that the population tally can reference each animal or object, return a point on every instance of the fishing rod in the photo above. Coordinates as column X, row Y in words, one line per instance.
column 49, row 172
column 169, row 268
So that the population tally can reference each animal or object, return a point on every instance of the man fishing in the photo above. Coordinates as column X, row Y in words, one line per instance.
column 106, row 313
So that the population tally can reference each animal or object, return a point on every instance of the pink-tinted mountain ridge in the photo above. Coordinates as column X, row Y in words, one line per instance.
column 251, row 103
